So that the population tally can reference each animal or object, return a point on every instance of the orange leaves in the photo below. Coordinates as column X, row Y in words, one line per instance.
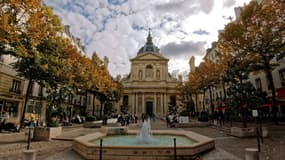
column 207, row 72
column 90, row 74
column 24, row 25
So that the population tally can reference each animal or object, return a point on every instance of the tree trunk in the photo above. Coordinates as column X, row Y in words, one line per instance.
column 86, row 103
column 224, row 89
column 272, row 87
column 211, row 100
column 25, row 104
column 196, row 100
column 93, row 107
column 204, row 100
column 101, row 108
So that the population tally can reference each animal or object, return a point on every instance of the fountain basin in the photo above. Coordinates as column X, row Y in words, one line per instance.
column 88, row 150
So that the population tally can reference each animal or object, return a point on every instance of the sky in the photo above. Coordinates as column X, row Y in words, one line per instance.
column 118, row 28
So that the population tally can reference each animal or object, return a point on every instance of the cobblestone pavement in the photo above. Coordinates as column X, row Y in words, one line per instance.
column 227, row 147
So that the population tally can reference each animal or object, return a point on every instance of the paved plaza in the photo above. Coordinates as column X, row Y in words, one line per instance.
column 227, row 147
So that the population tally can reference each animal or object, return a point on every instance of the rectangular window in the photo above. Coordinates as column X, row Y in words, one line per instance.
column 30, row 89
column 40, row 93
column 16, row 84
column 9, row 107
column 38, row 108
column 30, row 107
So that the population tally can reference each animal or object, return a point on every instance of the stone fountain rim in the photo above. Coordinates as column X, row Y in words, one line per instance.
column 197, row 138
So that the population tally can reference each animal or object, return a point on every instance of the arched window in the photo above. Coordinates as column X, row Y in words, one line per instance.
column 148, row 73
column 157, row 74
column 140, row 75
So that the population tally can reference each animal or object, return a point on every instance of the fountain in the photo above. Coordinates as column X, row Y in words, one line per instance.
column 121, row 143
column 144, row 136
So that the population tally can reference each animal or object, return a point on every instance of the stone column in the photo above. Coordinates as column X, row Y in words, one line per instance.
column 133, row 103
column 143, row 110
column 136, row 107
column 155, row 104
column 161, row 104
column 165, row 105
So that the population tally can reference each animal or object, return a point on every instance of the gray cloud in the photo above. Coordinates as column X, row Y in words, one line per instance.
column 119, row 28
column 201, row 32
column 186, row 7
column 183, row 49
column 228, row 3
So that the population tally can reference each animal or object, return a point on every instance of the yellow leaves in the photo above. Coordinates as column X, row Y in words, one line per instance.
column 45, row 66
column 27, row 20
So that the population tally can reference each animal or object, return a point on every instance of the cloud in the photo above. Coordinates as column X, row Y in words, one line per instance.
column 228, row 3
column 184, row 8
column 183, row 49
column 201, row 32
column 118, row 28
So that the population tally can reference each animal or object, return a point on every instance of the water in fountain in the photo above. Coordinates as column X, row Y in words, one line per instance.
column 144, row 136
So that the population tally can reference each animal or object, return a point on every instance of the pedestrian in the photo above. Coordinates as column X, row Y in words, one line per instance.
column 143, row 117
column 32, row 123
column 221, row 117
column 167, row 121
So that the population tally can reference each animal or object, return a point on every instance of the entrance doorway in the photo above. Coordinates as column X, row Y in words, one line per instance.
column 149, row 109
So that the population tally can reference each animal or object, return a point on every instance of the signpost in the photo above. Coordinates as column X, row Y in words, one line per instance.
column 255, row 115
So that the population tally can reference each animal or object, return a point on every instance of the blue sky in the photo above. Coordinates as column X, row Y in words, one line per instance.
column 118, row 28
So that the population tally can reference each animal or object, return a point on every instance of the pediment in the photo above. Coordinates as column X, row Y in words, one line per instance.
column 149, row 56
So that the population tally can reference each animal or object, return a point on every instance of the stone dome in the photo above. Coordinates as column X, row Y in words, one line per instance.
column 149, row 46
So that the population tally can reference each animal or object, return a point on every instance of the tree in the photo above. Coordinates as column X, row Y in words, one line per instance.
column 185, row 96
column 194, row 84
column 258, row 36
column 23, row 25
column 207, row 74
column 172, row 108
column 243, row 97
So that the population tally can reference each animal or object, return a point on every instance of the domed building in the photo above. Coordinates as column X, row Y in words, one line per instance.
column 149, row 87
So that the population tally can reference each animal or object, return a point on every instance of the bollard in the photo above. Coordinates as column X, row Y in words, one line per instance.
column 175, row 156
column 29, row 154
column 251, row 154
column 100, row 151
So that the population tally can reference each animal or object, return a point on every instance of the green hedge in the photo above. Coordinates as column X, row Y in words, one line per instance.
column 91, row 118
column 53, row 124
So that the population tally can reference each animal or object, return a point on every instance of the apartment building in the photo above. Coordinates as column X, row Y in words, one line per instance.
column 13, row 90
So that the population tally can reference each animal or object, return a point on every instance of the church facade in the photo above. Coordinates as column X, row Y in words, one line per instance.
column 149, row 87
